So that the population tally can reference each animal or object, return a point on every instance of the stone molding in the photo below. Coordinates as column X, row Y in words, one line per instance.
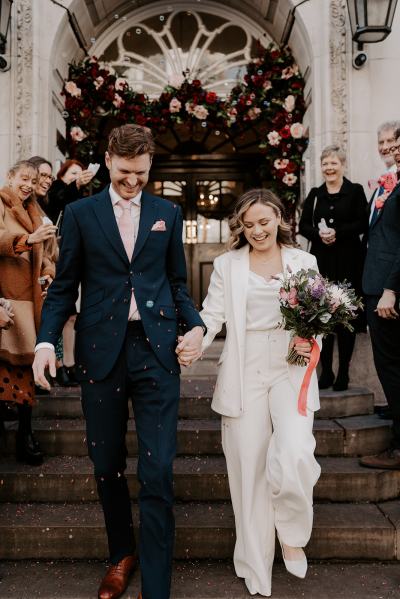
column 338, row 69
column 23, row 80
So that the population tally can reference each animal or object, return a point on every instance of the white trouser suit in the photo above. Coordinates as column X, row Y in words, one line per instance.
column 269, row 446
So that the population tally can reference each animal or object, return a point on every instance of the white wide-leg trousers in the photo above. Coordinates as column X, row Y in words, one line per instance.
column 269, row 452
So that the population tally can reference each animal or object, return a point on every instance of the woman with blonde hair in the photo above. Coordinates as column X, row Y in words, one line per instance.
column 27, row 251
column 334, row 218
column 268, row 445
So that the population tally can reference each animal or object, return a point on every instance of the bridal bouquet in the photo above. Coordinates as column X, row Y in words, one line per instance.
column 311, row 305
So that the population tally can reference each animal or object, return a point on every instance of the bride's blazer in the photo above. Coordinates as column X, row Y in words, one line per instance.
column 226, row 303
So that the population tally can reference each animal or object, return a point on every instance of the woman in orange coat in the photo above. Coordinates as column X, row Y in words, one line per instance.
column 27, row 252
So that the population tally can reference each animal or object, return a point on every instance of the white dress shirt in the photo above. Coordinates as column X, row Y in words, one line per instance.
column 135, row 214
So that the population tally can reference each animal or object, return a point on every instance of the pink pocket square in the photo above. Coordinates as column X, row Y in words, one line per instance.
column 159, row 226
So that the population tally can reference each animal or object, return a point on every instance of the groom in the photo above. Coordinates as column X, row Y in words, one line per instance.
column 124, row 246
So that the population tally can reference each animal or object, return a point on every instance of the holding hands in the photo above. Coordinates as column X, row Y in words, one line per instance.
column 189, row 346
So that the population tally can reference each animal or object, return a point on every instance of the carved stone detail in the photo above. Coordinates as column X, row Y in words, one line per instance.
column 338, row 68
column 23, row 80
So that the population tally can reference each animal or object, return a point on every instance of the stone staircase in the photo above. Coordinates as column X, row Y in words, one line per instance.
column 52, row 512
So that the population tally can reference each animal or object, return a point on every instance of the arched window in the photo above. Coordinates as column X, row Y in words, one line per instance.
column 164, row 46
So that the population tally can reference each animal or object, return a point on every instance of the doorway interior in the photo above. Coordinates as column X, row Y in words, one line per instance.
column 206, row 188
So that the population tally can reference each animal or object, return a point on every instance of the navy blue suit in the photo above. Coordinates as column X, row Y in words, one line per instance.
column 116, row 360
column 382, row 271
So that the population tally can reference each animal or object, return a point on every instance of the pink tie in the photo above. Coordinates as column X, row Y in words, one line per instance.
column 127, row 232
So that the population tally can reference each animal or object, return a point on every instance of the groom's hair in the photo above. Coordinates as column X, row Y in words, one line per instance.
column 130, row 140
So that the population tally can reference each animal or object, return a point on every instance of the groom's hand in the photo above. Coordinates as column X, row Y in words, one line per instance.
column 44, row 358
column 189, row 346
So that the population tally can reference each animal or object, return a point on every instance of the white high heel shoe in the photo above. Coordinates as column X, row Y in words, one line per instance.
column 297, row 567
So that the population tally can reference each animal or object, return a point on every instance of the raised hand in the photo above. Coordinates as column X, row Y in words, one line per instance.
column 42, row 233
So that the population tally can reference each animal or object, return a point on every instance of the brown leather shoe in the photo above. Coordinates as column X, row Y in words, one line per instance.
column 116, row 580
column 388, row 459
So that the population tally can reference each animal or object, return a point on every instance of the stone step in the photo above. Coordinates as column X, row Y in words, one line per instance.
column 54, row 531
column 196, row 401
column 205, row 579
column 355, row 435
column 70, row 479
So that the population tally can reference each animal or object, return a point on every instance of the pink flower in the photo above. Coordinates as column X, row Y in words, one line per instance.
column 283, row 294
column 98, row 82
column 200, row 112
column 274, row 138
column 118, row 101
column 289, row 179
column 289, row 103
column 292, row 298
column 281, row 163
column 289, row 72
column 254, row 113
column 175, row 105
column 120, row 84
column 296, row 130
column 267, row 85
column 77, row 134
column 72, row 89
column 189, row 106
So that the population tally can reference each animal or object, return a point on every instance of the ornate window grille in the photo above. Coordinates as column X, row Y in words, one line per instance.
column 165, row 45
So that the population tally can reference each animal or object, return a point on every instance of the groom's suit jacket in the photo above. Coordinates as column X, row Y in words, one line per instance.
column 382, row 263
column 92, row 254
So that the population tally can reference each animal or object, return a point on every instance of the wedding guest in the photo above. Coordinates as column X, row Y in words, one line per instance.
column 26, row 253
column 386, row 140
column 45, row 179
column 333, row 219
column 68, row 186
column 381, row 286
column 64, row 376
column 268, row 445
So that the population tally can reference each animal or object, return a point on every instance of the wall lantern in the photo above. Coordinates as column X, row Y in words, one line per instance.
column 5, row 19
column 371, row 20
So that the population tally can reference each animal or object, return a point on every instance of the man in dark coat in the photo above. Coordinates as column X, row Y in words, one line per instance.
column 124, row 246
column 381, row 286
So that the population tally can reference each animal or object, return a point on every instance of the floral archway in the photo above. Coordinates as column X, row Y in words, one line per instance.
column 269, row 99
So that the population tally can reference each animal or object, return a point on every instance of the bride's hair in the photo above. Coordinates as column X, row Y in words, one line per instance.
column 267, row 197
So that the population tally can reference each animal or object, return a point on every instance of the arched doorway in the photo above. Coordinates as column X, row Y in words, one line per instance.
column 159, row 45
column 206, row 187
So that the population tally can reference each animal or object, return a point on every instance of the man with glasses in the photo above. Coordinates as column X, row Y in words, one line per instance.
column 381, row 286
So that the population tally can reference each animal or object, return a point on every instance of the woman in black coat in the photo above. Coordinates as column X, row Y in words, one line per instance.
column 333, row 219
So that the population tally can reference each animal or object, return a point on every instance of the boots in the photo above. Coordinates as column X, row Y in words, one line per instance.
column 346, row 341
column 27, row 448
column 327, row 377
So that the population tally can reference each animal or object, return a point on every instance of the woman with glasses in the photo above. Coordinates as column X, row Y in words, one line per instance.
column 44, row 181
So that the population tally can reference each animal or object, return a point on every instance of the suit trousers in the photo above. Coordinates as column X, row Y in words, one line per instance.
column 385, row 336
column 155, row 397
column 269, row 452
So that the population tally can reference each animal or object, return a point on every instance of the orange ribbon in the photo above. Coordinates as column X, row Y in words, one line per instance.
column 314, row 359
